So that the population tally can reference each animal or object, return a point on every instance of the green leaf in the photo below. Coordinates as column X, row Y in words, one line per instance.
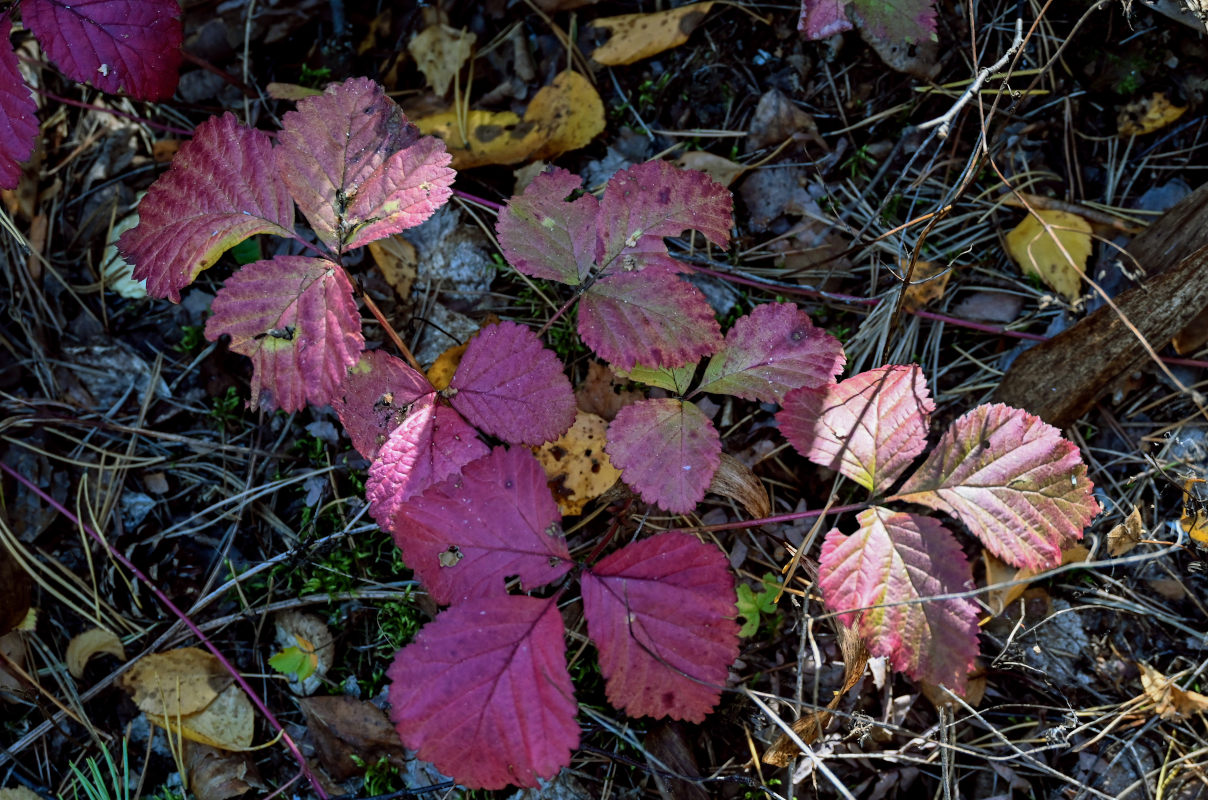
column 295, row 661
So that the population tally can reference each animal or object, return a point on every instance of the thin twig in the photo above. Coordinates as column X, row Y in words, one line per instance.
column 945, row 121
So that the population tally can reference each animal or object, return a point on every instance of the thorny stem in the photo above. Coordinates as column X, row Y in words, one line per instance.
column 184, row 618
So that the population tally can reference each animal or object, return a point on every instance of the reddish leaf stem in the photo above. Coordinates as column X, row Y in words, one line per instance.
column 389, row 329
column 565, row 306
column 491, row 204
column 606, row 538
column 755, row 523
column 114, row 112
column 163, row 598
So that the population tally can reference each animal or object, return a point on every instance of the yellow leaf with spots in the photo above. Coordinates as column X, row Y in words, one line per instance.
column 1057, row 254
column 576, row 465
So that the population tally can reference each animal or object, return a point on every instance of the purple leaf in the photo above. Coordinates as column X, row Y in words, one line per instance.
column 432, row 443
column 649, row 317
column 770, row 352
column 869, row 427
column 1013, row 480
column 510, row 386
column 357, row 168
column 661, row 613
column 222, row 188
column 666, row 449
column 823, row 18
column 899, row 558
column 544, row 236
column 648, row 201
column 111, row 44
column 465, row 536
column 376, row 397
column 910, row 21
column 296, row 319
column 18, row 113
column 483, row 693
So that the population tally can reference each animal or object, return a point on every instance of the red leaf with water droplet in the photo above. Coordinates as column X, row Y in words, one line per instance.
column 868, row 427
column 115, row 45
column 882, row 578
column 771, row 351
column 18, row 113
column 296, row 319
column 357, row 168
column 376, row 397
column 222, row 188
column 543, row 235
column 483, row 693
column 649, row 317
column 465, row 536
column 661, row 613
column 432, row 443
column 1012, row 480
column 646, row 202
column 666, row 449
column 511, row 386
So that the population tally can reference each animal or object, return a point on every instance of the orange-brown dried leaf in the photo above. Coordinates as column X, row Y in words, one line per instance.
column 398, row 261
column 1126, row 535
column 601, row 393
column 342, row 727
column 1170, row 702
column 927, row 284
column 1148, row 114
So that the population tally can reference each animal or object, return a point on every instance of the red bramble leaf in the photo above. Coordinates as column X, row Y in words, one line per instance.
column 18, row 113
column 357, row 168
column 771, row 351
column 666, row 449
column 649, row 317
column 1013, row 480
column 821, row 19
column 296, row 319
column 544, row 236
column 464, row 537
column 661, row 613
column 868, row 427
column 649, row 201
column 511, row 386
column 431, row 444
column 222, row 188
column 111, row 44
column 483, row 692
column 376, row 397
column 904, row 559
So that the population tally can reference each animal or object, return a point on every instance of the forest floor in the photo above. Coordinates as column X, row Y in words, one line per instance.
column 118, row 408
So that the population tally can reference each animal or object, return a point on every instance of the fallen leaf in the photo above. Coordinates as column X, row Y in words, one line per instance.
column 563, row 116
column 177, row 682
column 1127, row 535
column 1170, row 702
column 735, row 480
column 442, row 369
column 975, row 690
column 999, row 572
column 637, row 36
column 87, row 644
column 309, row 639
column 927, row 284
column 576, row 465
column 398, row 262
column 343, row 726
column 290, row 91
column 1040, row 252
column 1194, row 519
column 218, row 775
column 1148, row 115
column 14, row 649
column 600, row 392
column 721, row 170
column 439, row 52
column 1192, row 337
column 777, row 118
column 19, row 793
column 15, row 589
column 227, row 723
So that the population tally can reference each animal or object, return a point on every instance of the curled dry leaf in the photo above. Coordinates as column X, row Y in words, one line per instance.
column 927, row 284
column 638, row 36
column 439, row 52
column 1170, row 702
column 576, row 465
column 722, row 170
column 999, row 598
column 87, row 644
column 1194, row 520
column 342, row 727
column 1126, row 535
column 218, row 775
column 1056, row 254
column 735, row 480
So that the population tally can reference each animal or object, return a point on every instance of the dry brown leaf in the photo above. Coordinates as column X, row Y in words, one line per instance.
column 777, row 118
column 810, row 726
column 927, row 284
column 999, row 572
column 178, row 682
column 342, row 727
column 600, row 393
column 1170, row 702
column 15, row 589
column 1148, row 115
column 975, row 690
column 735, row 480
column 1192, row 337
column 638, row 36
column 439, row 52
column 14, row 648
column 576, row 466
column 290, row 91
column 398, row 262
column 217, row 774
column 87, row 644
column 1127, row 535
column 563, row 116
column 721, row 170
column 1040, row 252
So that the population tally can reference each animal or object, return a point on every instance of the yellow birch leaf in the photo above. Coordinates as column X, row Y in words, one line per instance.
column 638, row 36
column 576, row 465
column 176, row 683
column 226, row 723
column 1148, row 115
column 442, row 369
column 87, row 644
column 1040, row 252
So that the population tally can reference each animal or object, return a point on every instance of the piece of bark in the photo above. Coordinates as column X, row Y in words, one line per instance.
column 1178, row 233
column 1060, row 380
